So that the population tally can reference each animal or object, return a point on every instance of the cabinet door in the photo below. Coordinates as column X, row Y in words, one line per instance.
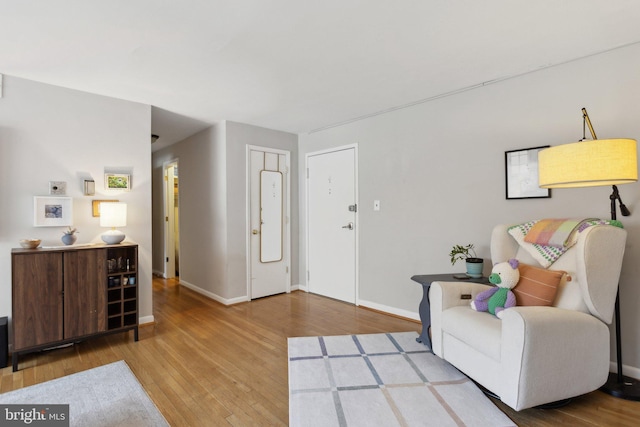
column 84, row 292
column 37, row 299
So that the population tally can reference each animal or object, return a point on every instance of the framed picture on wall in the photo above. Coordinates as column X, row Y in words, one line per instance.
column 117, row 181
column 521, row 174
column 52, row 211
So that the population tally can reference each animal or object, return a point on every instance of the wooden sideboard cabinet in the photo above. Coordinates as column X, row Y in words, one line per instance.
column 64, row 295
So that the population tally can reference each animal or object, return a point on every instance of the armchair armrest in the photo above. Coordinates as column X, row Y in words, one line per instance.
column 444, row 295
column 451, row 294
column 537, row 348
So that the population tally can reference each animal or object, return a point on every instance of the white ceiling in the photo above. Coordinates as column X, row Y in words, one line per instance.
column 296, row 65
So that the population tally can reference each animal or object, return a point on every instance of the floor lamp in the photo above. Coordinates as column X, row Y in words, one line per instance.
column 588, row 164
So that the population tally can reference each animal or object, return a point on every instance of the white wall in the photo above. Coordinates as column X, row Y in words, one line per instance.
column 213, row 208
column 48, row 133
column 203, row 216
column 438, row 170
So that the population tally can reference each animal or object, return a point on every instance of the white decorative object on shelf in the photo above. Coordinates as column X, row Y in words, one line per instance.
column 113, row 215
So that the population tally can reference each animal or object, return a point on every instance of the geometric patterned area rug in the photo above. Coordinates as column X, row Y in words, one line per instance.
column 106, row 396
column 381, row 380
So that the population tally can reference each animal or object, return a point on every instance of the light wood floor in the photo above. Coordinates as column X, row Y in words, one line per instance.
column 204, row 364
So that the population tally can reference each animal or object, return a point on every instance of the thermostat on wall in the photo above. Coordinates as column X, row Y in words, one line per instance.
column 57, row 188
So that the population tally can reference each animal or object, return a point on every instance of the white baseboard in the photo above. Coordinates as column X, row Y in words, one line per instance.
column 218, row 298
column 379, row 307
column 391, row 310
column 211, row 295
column 630, row 371
column 146, row 319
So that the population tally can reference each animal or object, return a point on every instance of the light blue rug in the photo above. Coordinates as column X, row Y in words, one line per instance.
column 381, row 380
column 105, row 396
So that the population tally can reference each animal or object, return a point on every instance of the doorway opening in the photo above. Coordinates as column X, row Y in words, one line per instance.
column 171, row 220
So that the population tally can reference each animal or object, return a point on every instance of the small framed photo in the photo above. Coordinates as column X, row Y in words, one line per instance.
column 521, row 173
column 95, row 204
column 117, row 181
column 52, row 211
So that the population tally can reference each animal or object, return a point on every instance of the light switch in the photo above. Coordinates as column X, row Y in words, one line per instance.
column 376, row 205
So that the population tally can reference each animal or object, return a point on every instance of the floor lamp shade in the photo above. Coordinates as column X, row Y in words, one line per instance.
column 113, row 215
column 588, row 164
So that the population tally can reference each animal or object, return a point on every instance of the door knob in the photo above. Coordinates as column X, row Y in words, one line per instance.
column 348, row 226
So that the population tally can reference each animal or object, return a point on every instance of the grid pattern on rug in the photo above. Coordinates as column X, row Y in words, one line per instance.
column 380, row 379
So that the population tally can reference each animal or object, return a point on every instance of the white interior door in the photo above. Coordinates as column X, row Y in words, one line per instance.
column 331, row 224
column 268, row 222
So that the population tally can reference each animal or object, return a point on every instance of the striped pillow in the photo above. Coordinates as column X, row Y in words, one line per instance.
column 537, row 286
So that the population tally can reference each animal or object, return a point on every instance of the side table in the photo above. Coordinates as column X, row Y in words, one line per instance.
column 425, row 305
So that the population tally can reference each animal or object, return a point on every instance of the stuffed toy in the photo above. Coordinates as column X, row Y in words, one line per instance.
column 505, row 276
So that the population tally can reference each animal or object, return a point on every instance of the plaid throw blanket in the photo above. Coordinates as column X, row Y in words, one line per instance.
column 547, row 254
column 559, row 233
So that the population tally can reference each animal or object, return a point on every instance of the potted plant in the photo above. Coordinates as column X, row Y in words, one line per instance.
column 467, row 253
column 69, row 237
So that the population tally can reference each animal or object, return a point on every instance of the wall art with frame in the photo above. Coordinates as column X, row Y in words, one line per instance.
column 521, row 174
column 117, row 181
column 52, row 211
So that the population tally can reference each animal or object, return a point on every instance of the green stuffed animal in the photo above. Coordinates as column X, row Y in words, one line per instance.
column 505, row 276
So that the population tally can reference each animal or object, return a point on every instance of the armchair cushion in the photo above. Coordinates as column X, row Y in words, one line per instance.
column 537, row 286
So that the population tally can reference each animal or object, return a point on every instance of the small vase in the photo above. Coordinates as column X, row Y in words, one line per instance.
column 69, row 239
column 474, row 267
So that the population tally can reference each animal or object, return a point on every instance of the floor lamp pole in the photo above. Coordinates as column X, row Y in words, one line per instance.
column 617, row 384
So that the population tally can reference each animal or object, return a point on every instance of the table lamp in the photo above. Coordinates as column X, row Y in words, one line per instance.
column 113, row 215
column 589, row 164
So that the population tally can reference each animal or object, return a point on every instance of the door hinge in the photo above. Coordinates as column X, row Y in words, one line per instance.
column 287, row 269
column 308, row 276
column 353, row 208
column 167, row 259
column 307, row 173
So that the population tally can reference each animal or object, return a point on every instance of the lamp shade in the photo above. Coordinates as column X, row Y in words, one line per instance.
column 113, row 214
column 588, row 164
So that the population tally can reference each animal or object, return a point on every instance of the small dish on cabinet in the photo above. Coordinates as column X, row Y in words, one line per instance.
column 30, row 243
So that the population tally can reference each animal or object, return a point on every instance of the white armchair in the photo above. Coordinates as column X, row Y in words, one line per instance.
column 536, row 355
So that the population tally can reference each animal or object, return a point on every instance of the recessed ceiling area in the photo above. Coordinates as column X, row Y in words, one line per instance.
column 292, row 65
